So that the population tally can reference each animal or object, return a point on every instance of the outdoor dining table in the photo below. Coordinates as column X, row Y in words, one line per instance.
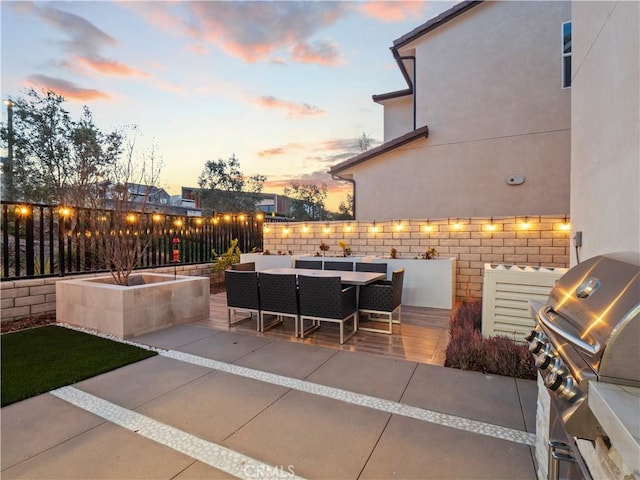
column 346, row 277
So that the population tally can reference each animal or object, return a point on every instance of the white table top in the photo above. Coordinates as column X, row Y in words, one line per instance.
column 346, row 277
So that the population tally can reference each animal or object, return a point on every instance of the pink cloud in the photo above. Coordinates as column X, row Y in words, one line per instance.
column 395, row 11
column 68, row 90
column 321, row 53
column 292, row 110
column 255, row 31
column 110, row 67
column 277, row 151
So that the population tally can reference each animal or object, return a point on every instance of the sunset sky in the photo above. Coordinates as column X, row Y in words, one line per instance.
column 285, row 86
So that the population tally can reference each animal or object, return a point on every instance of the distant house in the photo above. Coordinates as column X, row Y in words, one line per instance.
column 484, row 125
column 272, row 204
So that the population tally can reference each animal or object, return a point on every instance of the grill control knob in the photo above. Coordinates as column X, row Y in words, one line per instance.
column 531, row 335
column 536, row 345
column 543, row 361
column 562, row 385
column 551, row 364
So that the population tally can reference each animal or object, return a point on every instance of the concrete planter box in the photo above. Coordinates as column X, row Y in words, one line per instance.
column 263, row 262
column 158, row 301
column 427, row 283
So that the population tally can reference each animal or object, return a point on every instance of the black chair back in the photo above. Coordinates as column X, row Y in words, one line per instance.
column 278, row 293
column 321, row 297
column 244, row 267
column 371, row 267
column 242, row 289
column 397, row 279
column 315, row 264
column 337, row 265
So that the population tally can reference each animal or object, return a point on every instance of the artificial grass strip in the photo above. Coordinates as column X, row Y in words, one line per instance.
column 41, row 359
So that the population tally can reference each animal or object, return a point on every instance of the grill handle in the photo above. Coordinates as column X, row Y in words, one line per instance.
column 543, row 315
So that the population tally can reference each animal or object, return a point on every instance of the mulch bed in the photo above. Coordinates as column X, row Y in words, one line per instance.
column 28, row 322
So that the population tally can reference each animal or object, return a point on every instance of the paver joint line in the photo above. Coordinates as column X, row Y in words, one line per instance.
column 368, row 401
column 213, row 454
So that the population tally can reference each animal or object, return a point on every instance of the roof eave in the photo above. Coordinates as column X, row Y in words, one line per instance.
column 381, row 149
column 434, row 23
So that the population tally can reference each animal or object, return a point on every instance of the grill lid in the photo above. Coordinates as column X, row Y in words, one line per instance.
column 595, row 307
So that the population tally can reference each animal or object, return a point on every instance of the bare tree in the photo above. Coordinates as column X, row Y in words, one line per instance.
column 121, row 215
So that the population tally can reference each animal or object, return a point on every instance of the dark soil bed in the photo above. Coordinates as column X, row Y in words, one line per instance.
column 28, row 322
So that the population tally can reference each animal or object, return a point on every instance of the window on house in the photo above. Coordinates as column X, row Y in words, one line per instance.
column 566, row 55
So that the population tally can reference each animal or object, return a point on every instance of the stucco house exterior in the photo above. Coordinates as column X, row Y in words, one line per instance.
column 605, row 127
column 484, row 125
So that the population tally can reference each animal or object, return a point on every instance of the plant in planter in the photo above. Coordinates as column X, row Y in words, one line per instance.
column 324, row 248
column 430, row 254
column 346, row 250
column 228, row 258
column 393, row 253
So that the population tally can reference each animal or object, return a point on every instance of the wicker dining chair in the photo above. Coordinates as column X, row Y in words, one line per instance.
column 371, row 267
column 315, row 264
column 383, row 298
column 338, row 265
column 322, row 299
column 244, row 267
column 279, row 297
column 242, row 294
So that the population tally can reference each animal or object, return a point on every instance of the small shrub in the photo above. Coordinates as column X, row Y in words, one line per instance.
column 231, row 256
column 468, row 350
column 393, row 253
column 430, row 254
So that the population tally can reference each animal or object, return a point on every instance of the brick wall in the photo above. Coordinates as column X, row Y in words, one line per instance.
column 34, row 297
column 535, row 241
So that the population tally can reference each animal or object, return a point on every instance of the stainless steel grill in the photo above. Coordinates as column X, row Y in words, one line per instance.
column 589, row 330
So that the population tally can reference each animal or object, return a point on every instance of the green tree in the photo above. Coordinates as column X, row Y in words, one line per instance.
column 56, row 160
column 308, row 201
column 226, row 189
column 345, row 209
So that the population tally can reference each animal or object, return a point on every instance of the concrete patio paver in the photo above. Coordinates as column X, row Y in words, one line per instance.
column 410, row 449
column 294, row 360
column 37, row 424
column 488, row 398
column 106, row 451
column 366, row 374
column 319, row 437
column 215, row 406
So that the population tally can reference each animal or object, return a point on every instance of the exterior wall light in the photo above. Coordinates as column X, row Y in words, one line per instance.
column 157, row 217
column 374, row 228
column 326, row 229
column 227, row 218
column 266, row 228
column 131, row 218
